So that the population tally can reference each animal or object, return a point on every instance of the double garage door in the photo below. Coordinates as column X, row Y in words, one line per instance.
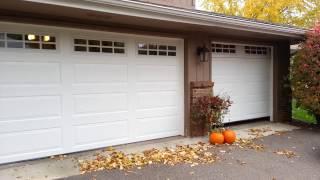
column 243, row 72
column 68, row 90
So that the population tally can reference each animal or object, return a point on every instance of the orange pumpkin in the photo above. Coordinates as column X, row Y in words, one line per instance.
column 229, row 136
column 216, row 138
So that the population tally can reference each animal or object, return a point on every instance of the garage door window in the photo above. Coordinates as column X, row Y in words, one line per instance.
column 98, row 46
column 153, row 49
column 223, row 48
column 27, row 41
column 255, row 50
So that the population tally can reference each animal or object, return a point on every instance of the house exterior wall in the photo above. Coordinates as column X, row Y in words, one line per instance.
column 196, row 71
column 189, row 4
column 281, row 89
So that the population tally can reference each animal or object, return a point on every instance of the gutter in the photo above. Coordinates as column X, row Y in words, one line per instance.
column 166, row 13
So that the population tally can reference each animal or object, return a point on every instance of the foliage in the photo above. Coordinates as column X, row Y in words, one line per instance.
column 300, row 114
column 303, row 13
column 210, row 109
column 305, row 73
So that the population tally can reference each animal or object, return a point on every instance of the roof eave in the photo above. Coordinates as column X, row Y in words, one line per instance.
column 153, row 11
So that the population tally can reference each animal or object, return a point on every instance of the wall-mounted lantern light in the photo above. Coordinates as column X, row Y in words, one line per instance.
column 203, row 53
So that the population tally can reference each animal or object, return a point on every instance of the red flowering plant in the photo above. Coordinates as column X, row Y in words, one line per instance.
column 305, row 73
column 211, row 110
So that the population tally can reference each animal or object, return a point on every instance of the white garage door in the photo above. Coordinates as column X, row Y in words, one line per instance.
column 243, row 73
column 67, row 90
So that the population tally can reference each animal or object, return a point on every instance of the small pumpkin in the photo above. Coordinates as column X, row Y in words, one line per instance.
column 229, row 136
column 216, row 138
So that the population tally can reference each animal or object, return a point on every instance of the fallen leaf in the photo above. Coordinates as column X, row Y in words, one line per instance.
column 258, row 132
column 249, row 144
column 279, row 133
column 241, row 162
column 287, row 153
column 190, row 154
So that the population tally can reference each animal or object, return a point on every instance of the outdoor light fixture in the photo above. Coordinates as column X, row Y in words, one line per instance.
column 46, row 38
column 31, row 37
column 204, row 53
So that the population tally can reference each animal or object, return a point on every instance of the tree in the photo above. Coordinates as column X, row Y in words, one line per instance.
column 301, row 13
column 305, row 73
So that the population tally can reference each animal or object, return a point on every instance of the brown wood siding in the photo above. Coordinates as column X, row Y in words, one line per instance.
column 281, row 90
column 194, row 70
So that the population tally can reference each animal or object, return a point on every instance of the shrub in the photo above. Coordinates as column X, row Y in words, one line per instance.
column 305, row 73
column 210, row 109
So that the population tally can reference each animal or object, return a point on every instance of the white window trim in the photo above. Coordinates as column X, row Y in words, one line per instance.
column 222, row 48
column 158, row 50
column 24, row 49
column 100, row 46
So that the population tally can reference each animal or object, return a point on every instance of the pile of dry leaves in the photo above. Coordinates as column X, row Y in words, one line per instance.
column 287, row 153
column 259, row 132
column 249, row 144
column 192, row 154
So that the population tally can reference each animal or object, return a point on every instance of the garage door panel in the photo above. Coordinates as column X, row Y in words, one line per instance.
column 11, row 126
column 157, row 86
column 99, row 88
column 257, row 107
column 29, row 56
column 156, row 112
column 241, row 77
column 248, row 109
column 157, row 61
column 27, row 90
column 156, row 126
column 100, row 73
column 148, row 100
column 250, row 98
column 98, row 133
column 29, row 73
column 247, row 87
column 30, row 141
column 156, row 73
column 231, row 68
column 29, row 107
column 90, row 118
column 100, row 103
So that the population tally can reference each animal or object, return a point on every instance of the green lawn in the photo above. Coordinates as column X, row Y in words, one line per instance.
column 301, row 114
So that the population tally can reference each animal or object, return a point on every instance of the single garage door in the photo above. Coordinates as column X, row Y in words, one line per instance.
column 243, row 73
column 68, row 90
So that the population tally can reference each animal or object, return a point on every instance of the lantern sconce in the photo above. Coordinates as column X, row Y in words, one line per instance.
column 203, row 53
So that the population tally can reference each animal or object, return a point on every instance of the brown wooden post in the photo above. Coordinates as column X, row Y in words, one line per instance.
column 199, row 89
column 281, row 91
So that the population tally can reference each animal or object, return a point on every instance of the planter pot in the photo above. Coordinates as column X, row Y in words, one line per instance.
column 198, row 130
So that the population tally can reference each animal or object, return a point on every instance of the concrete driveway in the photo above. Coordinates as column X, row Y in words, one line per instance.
column 237, row 163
